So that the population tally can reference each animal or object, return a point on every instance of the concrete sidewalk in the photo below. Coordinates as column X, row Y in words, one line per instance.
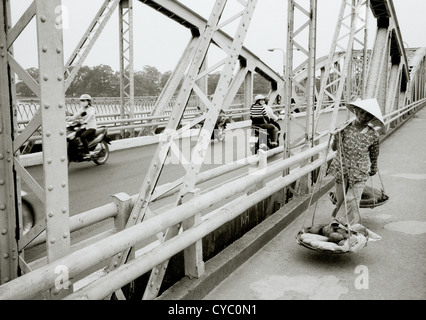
column 391, row 269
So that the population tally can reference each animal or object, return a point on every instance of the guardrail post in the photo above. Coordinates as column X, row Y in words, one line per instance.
column 124, row 208
column 193, row 255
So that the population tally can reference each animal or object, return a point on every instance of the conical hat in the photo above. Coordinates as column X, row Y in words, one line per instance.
column 369, row 105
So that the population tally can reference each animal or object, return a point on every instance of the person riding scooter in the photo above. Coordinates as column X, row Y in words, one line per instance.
column 260, row 118
column 88, row 119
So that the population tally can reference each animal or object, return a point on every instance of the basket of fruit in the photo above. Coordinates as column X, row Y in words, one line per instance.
column 335, row 238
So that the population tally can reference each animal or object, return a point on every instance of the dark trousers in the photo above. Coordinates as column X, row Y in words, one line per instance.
column 272, row 130
column 86, row 135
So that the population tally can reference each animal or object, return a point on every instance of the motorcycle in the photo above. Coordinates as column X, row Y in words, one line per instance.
column 98, row 146
column 219, row 131
column 259, row 139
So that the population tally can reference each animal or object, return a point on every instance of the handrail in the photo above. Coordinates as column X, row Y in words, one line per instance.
column 43, row 278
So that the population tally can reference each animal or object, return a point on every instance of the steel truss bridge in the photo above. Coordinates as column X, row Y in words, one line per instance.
column 388, row 71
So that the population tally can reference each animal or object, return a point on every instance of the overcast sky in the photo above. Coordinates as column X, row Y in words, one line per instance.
column 159, row 41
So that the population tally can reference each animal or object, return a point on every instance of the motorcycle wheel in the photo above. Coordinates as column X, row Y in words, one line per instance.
column 28, row 216
column 103, row 154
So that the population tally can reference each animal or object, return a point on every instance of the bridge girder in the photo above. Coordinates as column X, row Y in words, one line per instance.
column 402, row 82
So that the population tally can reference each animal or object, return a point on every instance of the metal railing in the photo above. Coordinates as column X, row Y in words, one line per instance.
column 43, row 278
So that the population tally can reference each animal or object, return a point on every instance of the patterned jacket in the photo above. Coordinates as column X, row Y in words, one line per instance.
column 360, row 154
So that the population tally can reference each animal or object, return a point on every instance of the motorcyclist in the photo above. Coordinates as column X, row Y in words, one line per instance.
column 86, row 115
column 260, row 118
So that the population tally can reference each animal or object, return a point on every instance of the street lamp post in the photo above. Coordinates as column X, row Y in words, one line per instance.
column 282, row 50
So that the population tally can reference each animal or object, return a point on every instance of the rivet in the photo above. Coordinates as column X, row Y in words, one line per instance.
column 65, row 235
column 48, row 134
column 13, row 257
column 64, row 210
column 43, row 19
column 2, row 46
column 156, row 271
column 4, row 231
column 59, row 78
column 55, row 291
column 9, row 160
column 60, row 105
column 50, row 214
column 62, row 132
column 63, row 159
column 63, row 184
column 44, row 49
column 45, row 77
column 1, row 156
column 134, row 217
column 49, row 161
column 50, row 188
column 1, row 130
column 6, row 279
column 6, row 255
column 2, row 182
column 3, row 55
column 46, row 106
column 119, row 255
column 58, row 50
column 115, row 264
column 52, row 240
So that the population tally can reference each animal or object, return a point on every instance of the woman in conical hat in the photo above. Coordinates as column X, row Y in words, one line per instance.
column 357, row 147
column 372, row 107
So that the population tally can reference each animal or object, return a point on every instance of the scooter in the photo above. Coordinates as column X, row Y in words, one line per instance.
column 259, row 139
column 98, row 147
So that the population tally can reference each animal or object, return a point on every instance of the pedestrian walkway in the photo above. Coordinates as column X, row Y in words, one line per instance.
column 391, row 269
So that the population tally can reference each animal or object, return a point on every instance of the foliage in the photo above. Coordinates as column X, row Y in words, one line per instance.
column 103, row 81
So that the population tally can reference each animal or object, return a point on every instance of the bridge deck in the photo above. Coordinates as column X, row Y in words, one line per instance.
column 392, row 268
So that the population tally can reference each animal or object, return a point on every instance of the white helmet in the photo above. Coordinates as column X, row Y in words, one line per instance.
column 259, row 97
column 85, row 97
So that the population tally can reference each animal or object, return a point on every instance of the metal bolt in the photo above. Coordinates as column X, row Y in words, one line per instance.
column 44, row 49
column 62, row 132
column 4, row 231
column 45, row 77
column 64, row 210
column 65, row 235
column 63, row 159
column 43, row 19
column 2, row 182
column 52, row 240
column 49, row 160
column 50, row 188
column 63, row 184
column 1, row 155
column 60, row 105
column 48, row 134
column 60, row 78
column 58, row 50
column 46, row 106
column 2, row 207
column 6, row 255
column 50, row 214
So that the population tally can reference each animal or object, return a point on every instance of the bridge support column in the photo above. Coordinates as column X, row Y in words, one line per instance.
column 193, row 255
column 8, row 204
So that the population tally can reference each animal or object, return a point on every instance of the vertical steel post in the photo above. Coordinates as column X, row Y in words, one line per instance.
column 127, row 84
column 8, row 186
column 52, row 105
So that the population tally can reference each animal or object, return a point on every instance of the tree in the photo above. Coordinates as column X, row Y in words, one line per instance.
column 148, row 82
column 22, row 89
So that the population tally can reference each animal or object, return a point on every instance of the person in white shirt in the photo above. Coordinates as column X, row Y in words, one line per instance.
column 88, row 117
